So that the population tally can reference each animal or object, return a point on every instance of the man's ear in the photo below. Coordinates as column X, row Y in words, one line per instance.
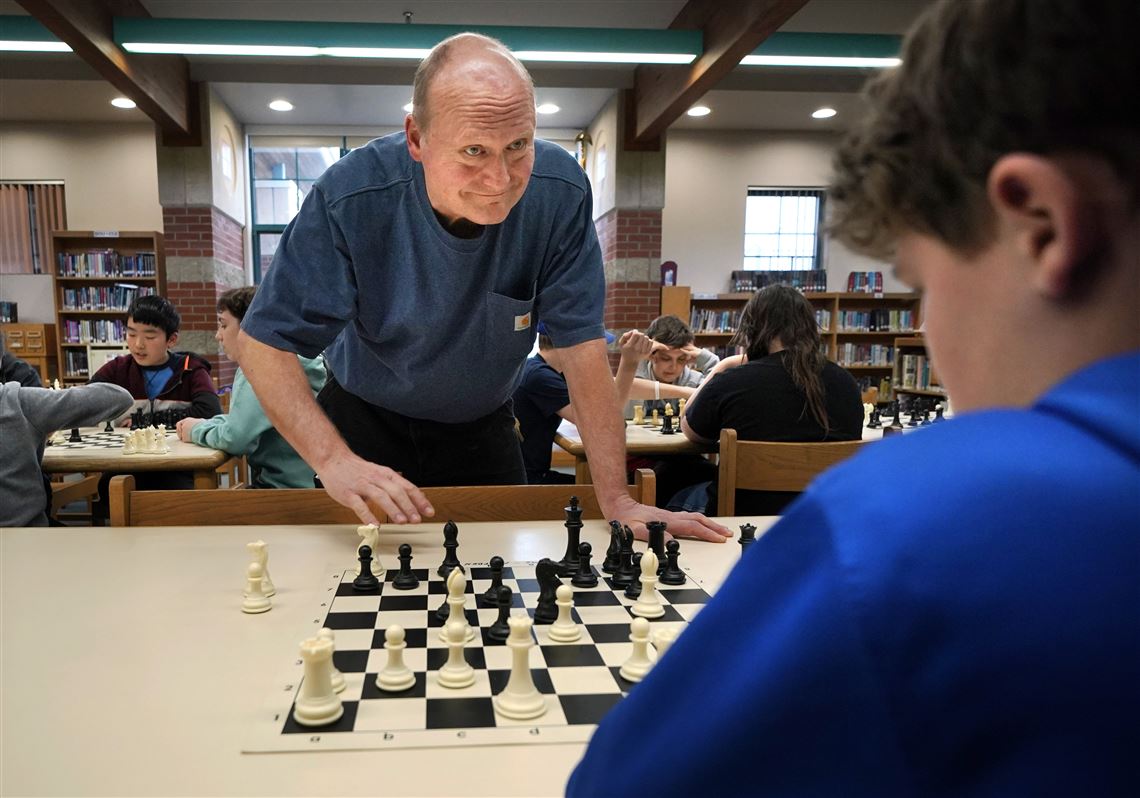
column 415, row 138
column 1052, row 225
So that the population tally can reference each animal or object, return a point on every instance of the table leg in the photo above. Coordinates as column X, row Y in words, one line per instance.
column 205, row 479
column 581, row 471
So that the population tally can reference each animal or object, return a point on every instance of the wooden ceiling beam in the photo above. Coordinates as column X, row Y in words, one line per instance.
column 731, row 31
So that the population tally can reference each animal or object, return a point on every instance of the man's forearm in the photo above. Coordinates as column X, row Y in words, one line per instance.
column 283, row 390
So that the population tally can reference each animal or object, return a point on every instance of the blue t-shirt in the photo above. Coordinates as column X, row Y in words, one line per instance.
column 542, row 392
column 953, row 612
column 416, row 320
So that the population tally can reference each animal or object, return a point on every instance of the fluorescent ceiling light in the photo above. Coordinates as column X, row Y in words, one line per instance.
column 188, row 48
column 28, row 35
column 281, row 105
column 818, row 61
column 34, row 47
column 604, row 58
column 823, row 113
column 699, row 110
column 123, row 102
column 844, row 50
column 548, row 108
column 373, row 52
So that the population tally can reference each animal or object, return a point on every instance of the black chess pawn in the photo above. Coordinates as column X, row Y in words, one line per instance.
column 896, row 422
column 108, row 427
column 926, row 422
column 366, row 580
column 633, row 589
column 613, row 551
column 568, row 565
column 450, row 545
column 404, row 578
column 443, row 612
column 657, row 541
column 546, row 572
column 875, row 421
column 672, row 575
column 938, row 410
column 585, row 577
column 491, row 594
column 75, row 436
column 500, row 630
column 747, row 537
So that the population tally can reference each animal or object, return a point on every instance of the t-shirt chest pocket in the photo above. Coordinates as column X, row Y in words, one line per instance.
column 509, row 327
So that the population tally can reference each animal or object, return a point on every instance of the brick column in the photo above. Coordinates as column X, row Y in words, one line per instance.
column 631, row 252
column 205, row 256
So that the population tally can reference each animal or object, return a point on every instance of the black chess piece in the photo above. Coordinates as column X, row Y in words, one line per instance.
column 672, row 575
column 500, row 630
column 613, row 551
column 875, row 421
column 568, row 565
column 938, row 410
column 926, row 422
column 624, row 573
column 75, row 436
column 633, row 589
column 667, row 424
column 585, row 577
column 450, row 546
column 444, row 610
column 404, row 578
column 896, row 423
column 491, row 594
column 108, row 427
column 913, row 418
column 365, row 580
column 548, row 582
column 747, row 537
column 137, row 419
column 657, row 542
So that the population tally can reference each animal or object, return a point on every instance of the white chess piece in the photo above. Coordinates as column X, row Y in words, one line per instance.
column 648, row 603
column 395, row 676
column 456, row 672
column 663, row 638
column 255, row 600
column 318, row 704
column 520, row 699
column 370, row 537
column 639, row 662
column 336, row 677
column 55, row 384
column 564, row 630
column 259, row 551
column 162, row 444
column 456, row 599
column 129, row 443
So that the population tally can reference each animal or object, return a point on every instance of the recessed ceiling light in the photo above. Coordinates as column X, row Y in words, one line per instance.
column 699, row 110
column 548, row 108
column 408, row 108
column 123, row 102
column 281, row 105
column 823, row 113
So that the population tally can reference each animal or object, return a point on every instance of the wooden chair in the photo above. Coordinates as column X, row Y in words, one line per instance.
column 130, row 507
column 65, row 492
column 236, row 472
column 763, row 465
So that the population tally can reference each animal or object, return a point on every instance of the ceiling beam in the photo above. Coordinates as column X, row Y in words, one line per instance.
column 159, row 85
column 731, row 31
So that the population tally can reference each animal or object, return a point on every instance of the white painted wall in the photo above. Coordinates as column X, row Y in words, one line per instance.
column 707, row 175
column 32, row 292
column 227, row 160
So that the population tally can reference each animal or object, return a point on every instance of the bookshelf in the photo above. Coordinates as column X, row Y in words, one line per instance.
column 912, row 373
column 97, row 275
column 858, row 329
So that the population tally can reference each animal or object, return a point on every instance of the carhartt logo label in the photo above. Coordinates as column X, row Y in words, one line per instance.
column 522, row 322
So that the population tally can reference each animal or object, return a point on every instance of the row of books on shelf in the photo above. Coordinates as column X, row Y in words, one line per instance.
column 117, row 297
column 703, row 320
column 106, row 263
column 75, row 363
column 865, row 355
column 915, row 373
column 806, row 280
column 9, row 313
column 725, row 351
column 823, row 319
column 94, row 331
column 865, row 282
column 876, row 320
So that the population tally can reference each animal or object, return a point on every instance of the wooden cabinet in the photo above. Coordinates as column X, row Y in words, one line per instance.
column 35, row 344
column 97, row 275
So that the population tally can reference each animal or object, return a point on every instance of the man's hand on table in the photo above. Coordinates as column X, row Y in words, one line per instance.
column 680, row 525
column 357, row 483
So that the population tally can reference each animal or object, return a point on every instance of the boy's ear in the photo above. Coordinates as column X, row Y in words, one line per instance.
column 1052, row 224
column 171, row 340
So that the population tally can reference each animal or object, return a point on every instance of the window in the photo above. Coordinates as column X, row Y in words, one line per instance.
column 781, row 229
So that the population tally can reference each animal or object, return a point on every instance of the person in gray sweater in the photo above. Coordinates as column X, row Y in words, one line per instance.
column 27, row 417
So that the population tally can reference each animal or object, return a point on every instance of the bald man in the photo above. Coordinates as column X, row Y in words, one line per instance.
column 421, row 264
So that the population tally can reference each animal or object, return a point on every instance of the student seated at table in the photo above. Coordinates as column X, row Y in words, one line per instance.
column 245, row 429
column 28, row 415
column 782, row 388
column 674, row 368
column 542, row 400
column 953, row 612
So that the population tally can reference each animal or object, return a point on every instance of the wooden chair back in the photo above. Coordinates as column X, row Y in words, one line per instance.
column 764, row 465
column 130, row 507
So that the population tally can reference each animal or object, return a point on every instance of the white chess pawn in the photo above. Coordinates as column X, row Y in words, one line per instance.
column 681, row 407
column 395, row 676
column 663, row 638
column 456, row 599
column 318, row 704
column 456, row 672
column 564, row 630
column 162, row 444
column 639, row 414
column 648, row 603
column 639, row 662
column 336, row 677
column 656, row 418
column 260, row 554
column 520, row 699
column 370, row 537
column 129, row 443
column 255, row 599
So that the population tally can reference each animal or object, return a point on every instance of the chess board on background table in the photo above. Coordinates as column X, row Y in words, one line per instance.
column 94, row 440
column 579, row 681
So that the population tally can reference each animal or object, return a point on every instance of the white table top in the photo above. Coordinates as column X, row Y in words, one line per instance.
column 639, row 439
column 181, row 457
column 128, row 667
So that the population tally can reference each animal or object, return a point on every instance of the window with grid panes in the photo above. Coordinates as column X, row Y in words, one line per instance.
column 781, row 229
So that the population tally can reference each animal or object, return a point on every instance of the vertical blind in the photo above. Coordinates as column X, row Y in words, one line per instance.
column 29, row 212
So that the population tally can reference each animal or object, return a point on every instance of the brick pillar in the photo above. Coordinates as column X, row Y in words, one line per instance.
column 631, row 252
column 205, row 256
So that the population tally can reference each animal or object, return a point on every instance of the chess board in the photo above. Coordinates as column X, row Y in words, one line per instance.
column 93, row 440
column 580, row 680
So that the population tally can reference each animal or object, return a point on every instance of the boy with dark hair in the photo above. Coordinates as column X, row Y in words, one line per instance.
column 975, row 632
column 165, row 384
column 674, row 368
